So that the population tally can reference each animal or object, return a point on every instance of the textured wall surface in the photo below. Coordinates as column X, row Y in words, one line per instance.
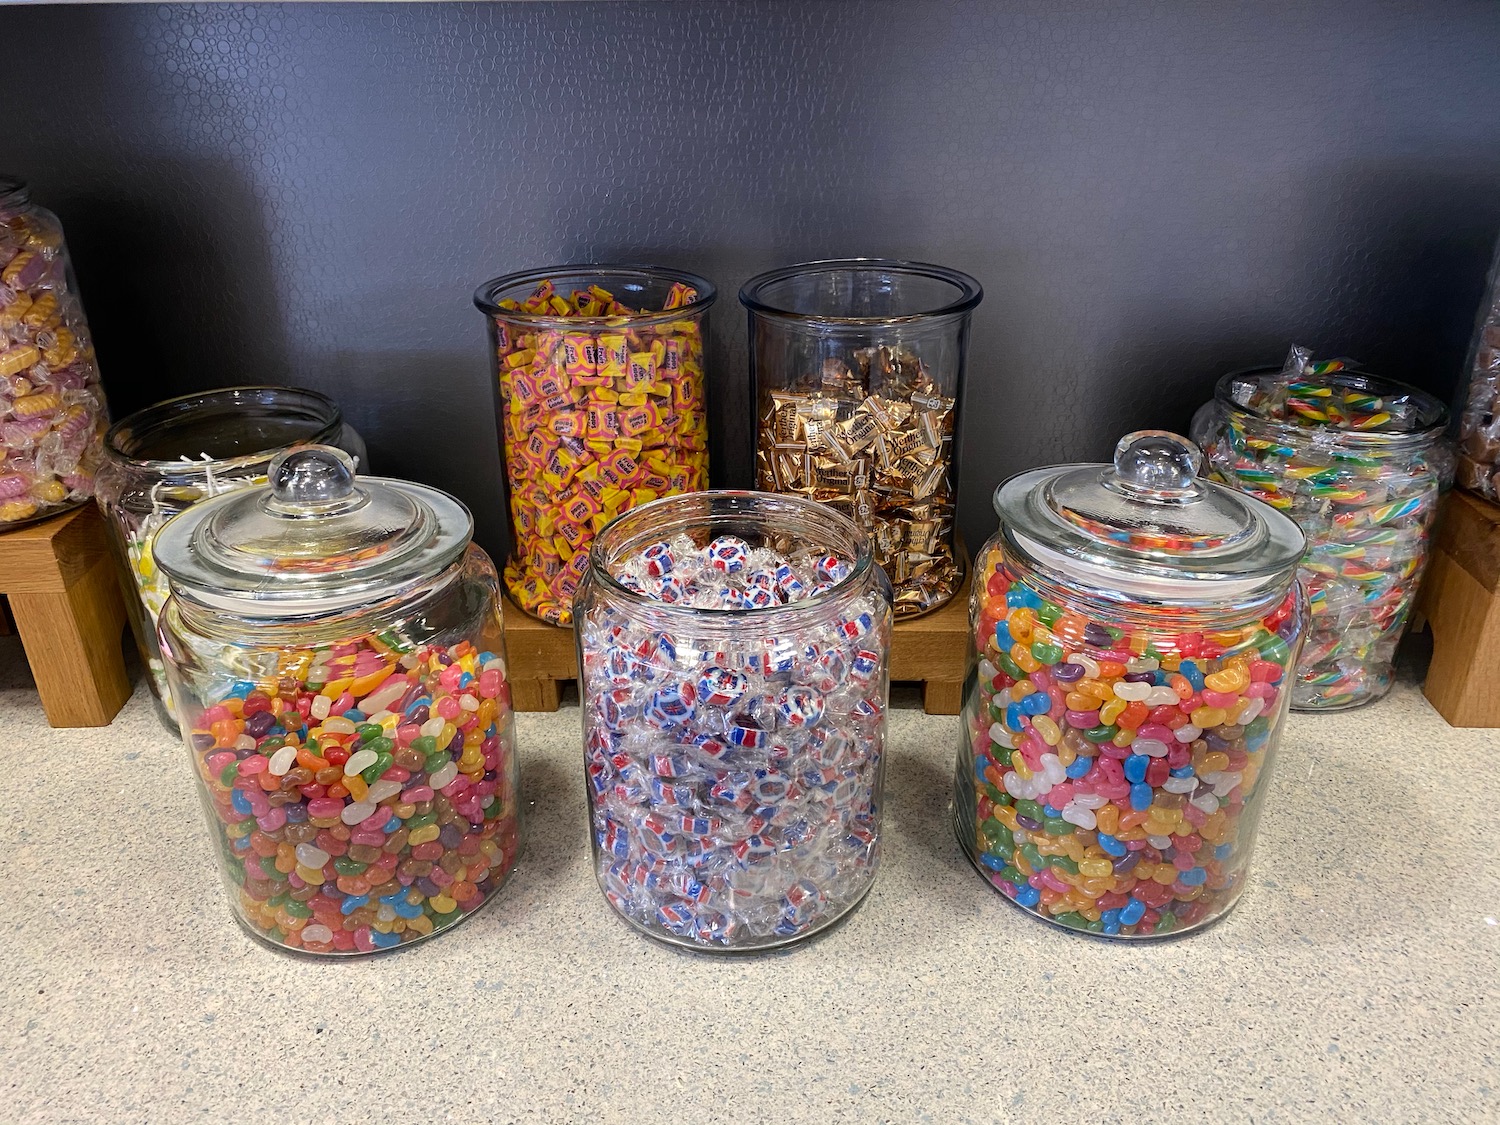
column 1151, row 193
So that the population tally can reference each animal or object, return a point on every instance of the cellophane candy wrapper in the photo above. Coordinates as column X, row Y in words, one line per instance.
column 1360, row 463
column 1479, row 425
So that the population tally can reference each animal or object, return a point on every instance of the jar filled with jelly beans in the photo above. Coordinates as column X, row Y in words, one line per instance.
column 163, row 459
column 52, row 410
column 599, row 394
column 334, row 646
column 858, row 367
column 1134, row 629
column 1360, row 463
column 734, row 650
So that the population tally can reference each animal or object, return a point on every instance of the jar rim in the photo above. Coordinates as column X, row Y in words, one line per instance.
column 970, row 292
column 620, row 527
column 1387, row 439
column 232, row 400
column 13, row 189
column 487, row 296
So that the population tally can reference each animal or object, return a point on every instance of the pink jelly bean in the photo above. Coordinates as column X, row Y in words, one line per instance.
column 343, row 703
column 1194, row 815
column 1110, row 750
column 407, row 733
column 1082, row 720
column 255, row 764
column 321, row 808
column 399, row 774
column 455, row 788
column 1155, row 731
column 447, row 707
column 489, row 683
column 218, row 760
column 1059, row 701
column 1060, row 795
column 371, row 839
column 1224, row 700
column 215, row 713
column 1264, row 672
column 377, row 819
column 416, row 794
column 1046, row 877
column 1040, row 679
column 1179, row 754
column 273, row 820
column 440, row 877
column 259, row 805
column 362, row 940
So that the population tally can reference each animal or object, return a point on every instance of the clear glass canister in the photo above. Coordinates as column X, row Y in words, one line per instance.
column 734, row 649
column 1134, row 630
column 335, row 649
column 1359, row 462
column 52, row 410
column 1479, row 424
column 163, row 459
column 599, row 396
column 858, row 369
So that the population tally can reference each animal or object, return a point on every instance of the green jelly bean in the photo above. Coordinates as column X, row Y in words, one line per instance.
column 1101, row 733
column 1033, row 857
column 346, row 866
column 1072, row 919
column 995, row 833
column 493, row 811
column 436, row 761
column 1258, row 726
column 440, row 920
column 229, row 773
column 1056, row 826
column 237, row 870
column 381, row 745
column 421, row 821
column 1047, row 654
column 1012, row 875
column 1063, row 863
column 372, row 772
column 1009, row 667
column 1096, row 926
column 297, row 909
column 268, row 865
column 269, row 746
column 424, row 744
column 1030, row 809
column 1048, row 613
column 1274, row 649
column 367, row 731
column 996, row 794
column 280, row 899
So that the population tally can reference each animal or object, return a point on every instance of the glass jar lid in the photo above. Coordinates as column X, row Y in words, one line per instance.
column 313, row 539
column 1148, row 522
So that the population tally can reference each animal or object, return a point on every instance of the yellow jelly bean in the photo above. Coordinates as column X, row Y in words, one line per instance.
column 1123, row 737
column 1006, row 815
column 421, row 924
column 1206, row 717
column 1048, row 731
column 1095, row 867
column 1066, row 755
column 1022, row 656
column 1018, row 763
column 1021, row 689
column 1165, row 874
column 1227, row 681
column 1108, row 819
column 423, row 835
column 442, row 904
column 1077, row 701
column 1111, row 711
column 1021, row 622
column 1215, row 761
column 356, row 786
column 310, row 875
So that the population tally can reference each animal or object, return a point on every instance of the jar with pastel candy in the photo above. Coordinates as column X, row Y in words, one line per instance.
column 52, row 410
column 335, row 648
column 734, row 655
column 599, row 398
column 163, row 459
column 1135, row 630
column 1359, row 462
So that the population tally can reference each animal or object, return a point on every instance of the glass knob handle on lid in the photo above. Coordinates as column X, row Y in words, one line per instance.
column 1156, row 465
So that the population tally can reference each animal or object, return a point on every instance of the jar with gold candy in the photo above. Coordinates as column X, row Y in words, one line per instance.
column 858, row 369
column 599, row 397
column 1135, row 633
column 335, row 649
column 52, row 411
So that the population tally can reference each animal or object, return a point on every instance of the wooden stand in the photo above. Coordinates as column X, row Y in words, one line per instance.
column 68, row 609
column 1460, row 602
column 933, row 650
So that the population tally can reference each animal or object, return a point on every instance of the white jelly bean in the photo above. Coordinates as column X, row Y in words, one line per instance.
column 987, row 671
column 443, row 775
column 1000, row 735
column 1252, row 711
column 282, row 761
column 321, row 705
column 1159, row 842
column 310, row 856
column 1228, row 782
column 1186, row 733
column 358, row 762
column 357, row 812
column 469, row 702
column 433, row 726
column 383, row 697
column 1150, row 747
column 244, row 742
column 1205, row 802
column 317, row 934
column 1090, row 669
column 1180, row 784
column 381, row 790
column 1162, row 697
column 1143, row 664
column 386, row 913
column 1052, row 766
column 1090, row 801
column 1127, row 689
column 1082, row 817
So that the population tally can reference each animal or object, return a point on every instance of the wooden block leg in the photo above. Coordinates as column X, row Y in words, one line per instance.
column 535, row 695
column 942, row 697
column 73, row 643
column 1465, row 620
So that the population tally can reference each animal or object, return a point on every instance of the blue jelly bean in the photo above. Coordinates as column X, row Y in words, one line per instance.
column 393, row 825
column 1003, row 637
column 1037, row 703
column 276, row 730
column 1079, row 767
column 384, row 941
column 981, row 763
column 1111, row 918
column 1222, row 851
column 240, row 802
column 1050, row 811
column 241, row 689
column 1185, row 771
column 354, row 902
column 296, row 814
column 1193, row 877
column 1112, row 845
column 242, row 844
column 1140, row 797
column 1131, row 912
column 1028, row 895
column 1135, row 768
column 993, row 862
column 354, row 715
column 466, row 679
column 1191, row 673
column 1013, row 716
column 420, row 701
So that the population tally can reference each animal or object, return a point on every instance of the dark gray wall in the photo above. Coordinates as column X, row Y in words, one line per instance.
column 1151, row 193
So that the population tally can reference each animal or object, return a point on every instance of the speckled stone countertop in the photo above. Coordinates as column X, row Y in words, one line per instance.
column 1356, row 980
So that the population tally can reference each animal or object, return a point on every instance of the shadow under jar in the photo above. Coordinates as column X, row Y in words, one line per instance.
column 858, row 368
column 1135, row 630
column 162, row 460
column 599, row 399
column 52, row 412
column 336, row 651
column 734, row 652
column 1359, row 462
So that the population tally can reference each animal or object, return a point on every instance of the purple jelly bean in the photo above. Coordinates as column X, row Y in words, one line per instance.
column 1067, row 673
column 1139, row 678
column 1126, row 863
column 1096, row 635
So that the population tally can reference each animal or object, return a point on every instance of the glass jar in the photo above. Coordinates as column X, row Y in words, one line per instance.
column 734, row 649
column 599, row 398
column 52, row 410
column 858, row 369
column 1133, row 629
column 1479, row 425
column 1359, row 462
column 335, row 649
column 167, row 457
